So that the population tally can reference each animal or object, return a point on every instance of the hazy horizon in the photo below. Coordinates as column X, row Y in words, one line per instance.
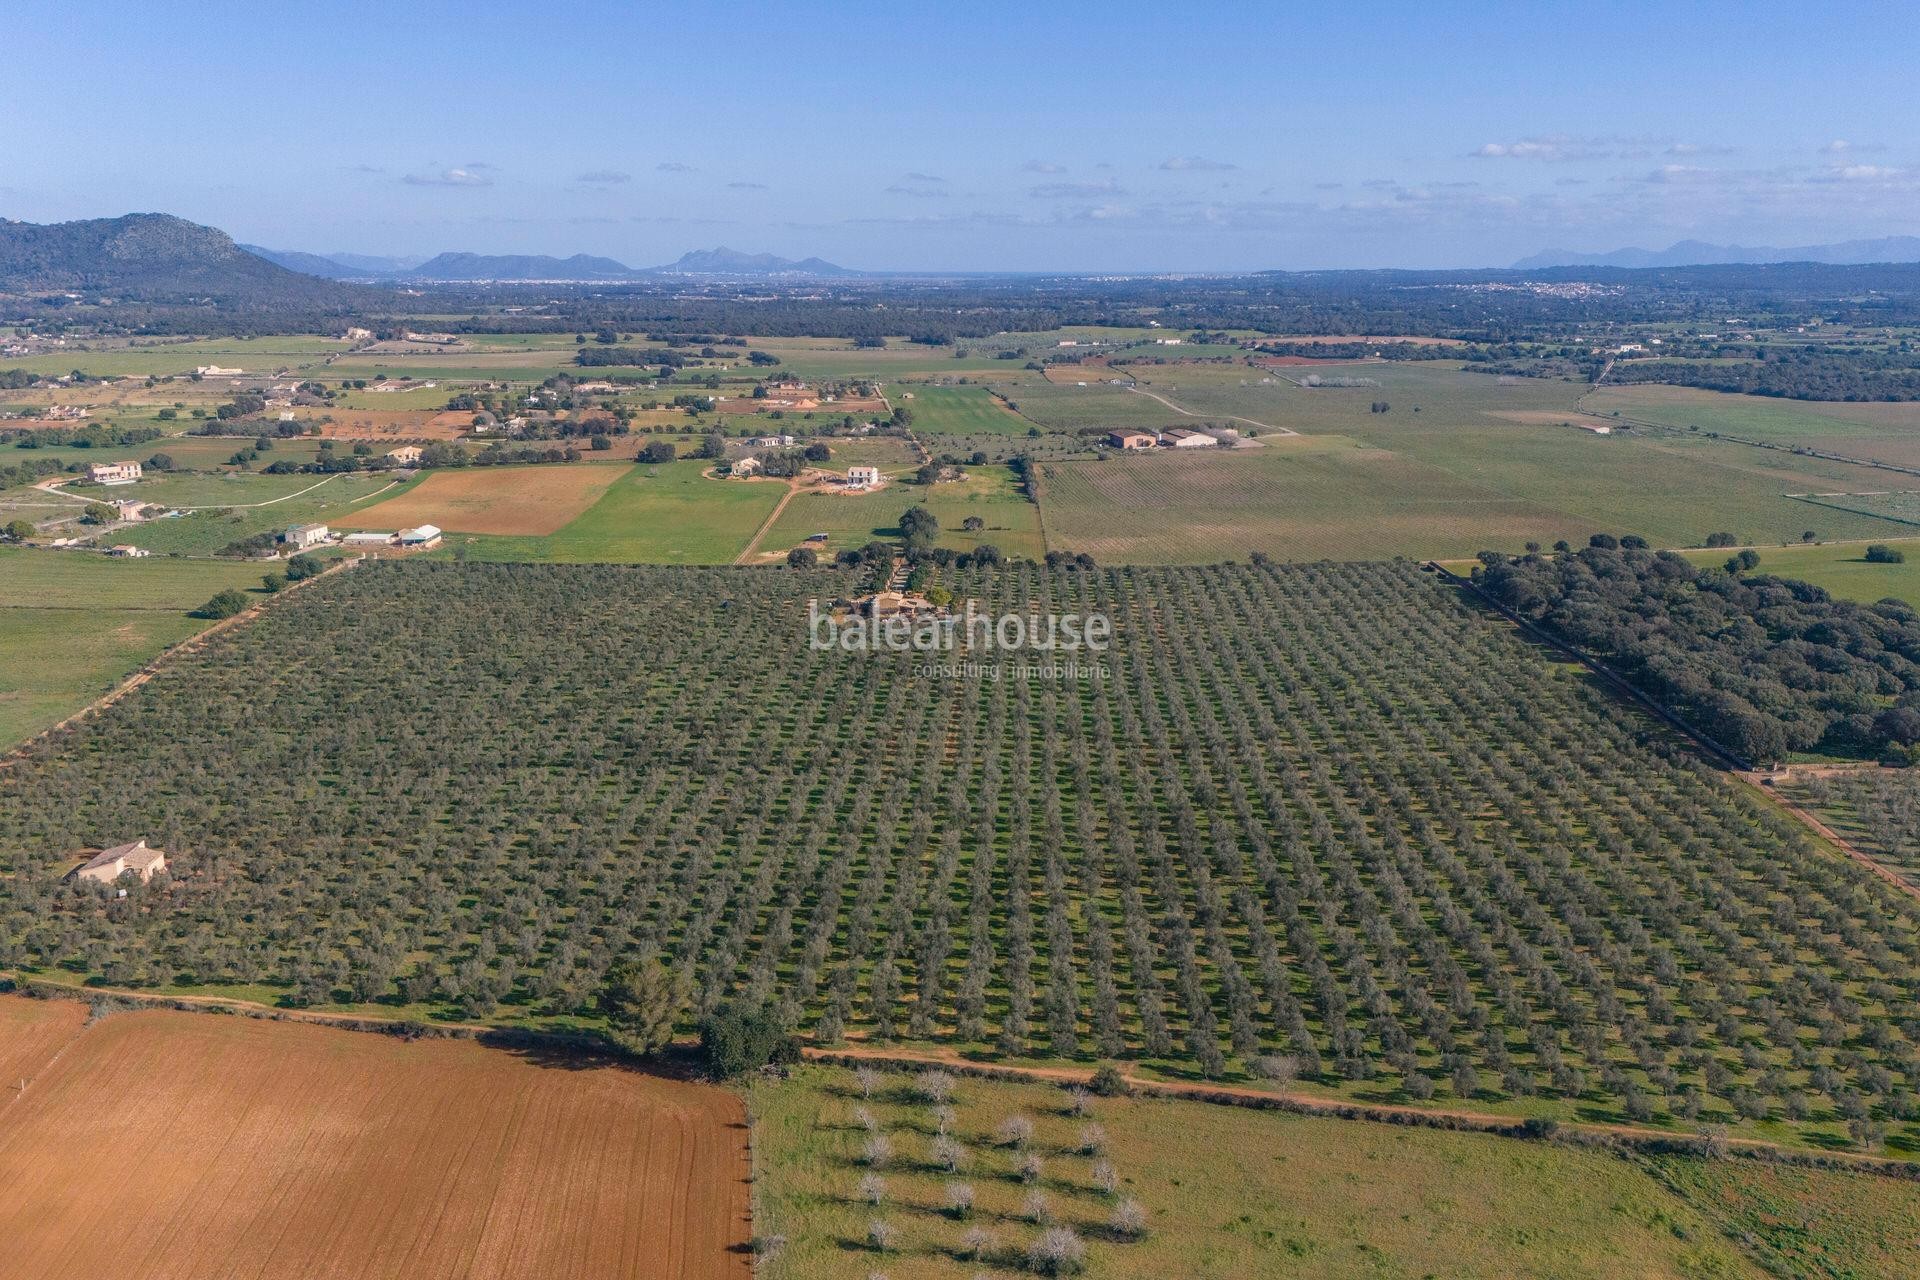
column 1123, row 138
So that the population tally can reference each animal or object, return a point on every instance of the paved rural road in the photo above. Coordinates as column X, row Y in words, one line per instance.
column 1187, row 413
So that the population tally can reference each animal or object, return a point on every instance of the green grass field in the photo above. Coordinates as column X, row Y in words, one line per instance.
column 1841, row 568
column 851, row 520
column 1804, row 1222
column 72, row 624
column 963, row 411
column 670, row 514
column 207, row 531
column 1229, row 1194
column 1301, row 498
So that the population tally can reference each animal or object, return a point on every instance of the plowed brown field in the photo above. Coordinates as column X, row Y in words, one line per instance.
column 31, row 1033
column 510, row 500
column 169, row 1146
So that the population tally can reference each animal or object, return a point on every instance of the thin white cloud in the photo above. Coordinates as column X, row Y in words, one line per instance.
column 604, row 177
column 1043, row 166
column 674, row 166
column 747, row 186
column 1195, row 164
column 467, row 176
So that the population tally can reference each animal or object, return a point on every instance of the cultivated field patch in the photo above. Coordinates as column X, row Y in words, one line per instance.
column 282, row 1150
column 501, row 500
column 1251, row 1195
column 1295, row 498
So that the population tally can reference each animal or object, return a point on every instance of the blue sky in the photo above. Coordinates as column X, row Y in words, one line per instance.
column 1066, row 136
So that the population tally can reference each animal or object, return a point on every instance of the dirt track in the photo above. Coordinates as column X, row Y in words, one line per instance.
column 167, row 1146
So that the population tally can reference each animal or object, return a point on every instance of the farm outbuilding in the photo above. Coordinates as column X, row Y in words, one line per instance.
column 134, row 858
column 1132, row 439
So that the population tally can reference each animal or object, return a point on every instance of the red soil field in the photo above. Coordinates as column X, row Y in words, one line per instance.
column 31, row 1033
column 178, row 1146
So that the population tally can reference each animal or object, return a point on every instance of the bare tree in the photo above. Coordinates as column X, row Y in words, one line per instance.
column 959, row 1199
column 877, row 1151
column 1031, row 1169
column 1037, row 1209
column 1058, row 1251
column 1093, row 1139
column 882, row 1235
column 868, row 1079
column 866, row 1120
column 949, row 1154
column 944, row 1118
column 1079, row 1101
column 1104, row 1176
column 935, row 1086
column 1015, row 1132
column 977, row 1243
column 873, row 1188
column 1128, row 1220
column 1276, row 1068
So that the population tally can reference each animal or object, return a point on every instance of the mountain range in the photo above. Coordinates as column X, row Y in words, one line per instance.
column 1698, row 253
column 150, row 257
column 471, row 267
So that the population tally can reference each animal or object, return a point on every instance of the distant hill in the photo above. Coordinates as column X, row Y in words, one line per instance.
column 467, row 267
column 518, row 266
column 150, row 257
column 731, row 262
column 1698, row 253
column 311, row 264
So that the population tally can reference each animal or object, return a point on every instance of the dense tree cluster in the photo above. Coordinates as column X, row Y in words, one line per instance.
column 1763, row 665
column 1324, row 813
column 1792, row 373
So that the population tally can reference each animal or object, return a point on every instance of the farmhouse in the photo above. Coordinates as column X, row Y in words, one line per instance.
column 771, row 442
column 423, row 538
column 863, row 477
column 130, row 508
column 126, row 551
column 302, row 536
column 745, row 466
column 407, row 455
column 1131, row 439
column 113, row 472
column 1183, row 438
column 215, row 371
column 135, row 858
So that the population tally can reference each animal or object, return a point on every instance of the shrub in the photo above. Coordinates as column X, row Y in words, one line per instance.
column 1108, row 1082
column 225, row 604
column 1881, row 553
column 739, row 1037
